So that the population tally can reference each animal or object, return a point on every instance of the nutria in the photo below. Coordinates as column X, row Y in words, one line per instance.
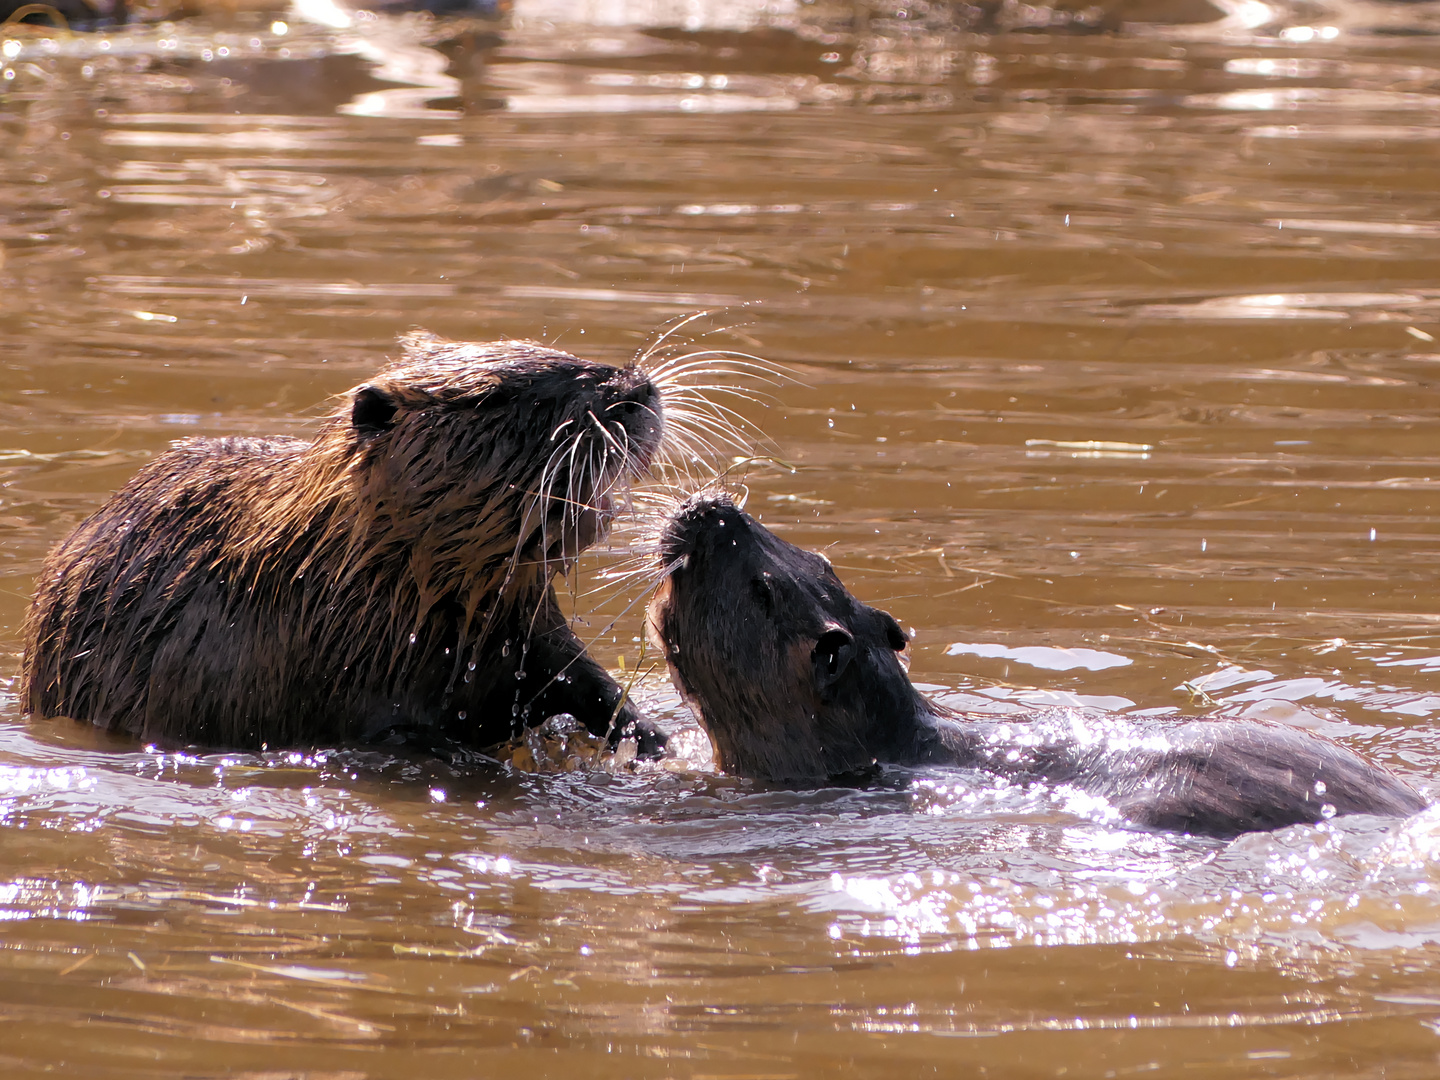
column 798, row 682
column 390, row 579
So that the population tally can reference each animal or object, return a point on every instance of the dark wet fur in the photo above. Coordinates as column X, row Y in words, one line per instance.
column 798, row 682
column 390, row 579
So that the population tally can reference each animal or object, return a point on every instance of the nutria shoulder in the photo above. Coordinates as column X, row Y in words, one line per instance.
column 393, row 575
column 798, row 682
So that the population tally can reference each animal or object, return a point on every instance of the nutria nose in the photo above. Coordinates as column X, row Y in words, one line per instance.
column 630, row 391
column 693, row 522
column 630, row 380
column 711, row 520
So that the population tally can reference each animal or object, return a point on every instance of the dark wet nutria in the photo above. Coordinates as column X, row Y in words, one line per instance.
column 391, row 578
column 798, row 682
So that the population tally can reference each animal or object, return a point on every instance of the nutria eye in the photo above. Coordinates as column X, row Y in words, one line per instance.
column 894, row 635
column 832, row 655
column 372, row 411
column 764, row 594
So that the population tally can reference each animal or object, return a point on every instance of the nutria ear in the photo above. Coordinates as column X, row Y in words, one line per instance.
column 372, row 411
column 833, row 653
column 417, row 344
column 894, row 636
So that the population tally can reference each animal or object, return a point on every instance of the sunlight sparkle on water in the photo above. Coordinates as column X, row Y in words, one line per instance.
column 1296, row 890
column 33, row 898
column 24, row 780
column 1133, row 465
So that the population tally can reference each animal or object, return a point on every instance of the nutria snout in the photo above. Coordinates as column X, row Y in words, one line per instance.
column 798, row 682
column 392, row 575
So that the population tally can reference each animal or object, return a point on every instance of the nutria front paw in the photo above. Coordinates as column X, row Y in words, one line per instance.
column 650, row 740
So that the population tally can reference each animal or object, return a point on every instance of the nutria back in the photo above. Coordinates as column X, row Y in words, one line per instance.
column 798, row 682
column 391, row 575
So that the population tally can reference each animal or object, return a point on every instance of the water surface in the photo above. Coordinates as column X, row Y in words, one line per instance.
column 1111, row 334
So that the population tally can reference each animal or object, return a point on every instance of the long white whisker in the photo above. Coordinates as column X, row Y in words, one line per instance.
column 734, row 362
column 609, row 438
column 698, row 426
column 716, row 409
column 701, row 393
column 547, row 490
column 567, row 449
column 679, row 324
column 581, row 485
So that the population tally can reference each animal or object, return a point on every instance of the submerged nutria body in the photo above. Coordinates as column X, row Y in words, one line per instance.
column 798, row 682
column 392, row 577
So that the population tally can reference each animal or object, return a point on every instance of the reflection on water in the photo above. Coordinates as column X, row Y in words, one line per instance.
column 1112, row 333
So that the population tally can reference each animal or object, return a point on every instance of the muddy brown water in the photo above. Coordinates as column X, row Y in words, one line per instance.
column 1112, row 335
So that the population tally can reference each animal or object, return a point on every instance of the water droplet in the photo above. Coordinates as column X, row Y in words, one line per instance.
column 505, row 649
column 462, row 714
column 471, row 665
column 412, row 639
column 1319, row 787
column 1327, row 811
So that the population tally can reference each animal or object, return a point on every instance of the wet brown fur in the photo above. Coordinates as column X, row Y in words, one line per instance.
column 798, row 682
column 393, row 574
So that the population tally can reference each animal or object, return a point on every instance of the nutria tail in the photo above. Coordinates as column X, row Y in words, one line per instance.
column 392, row 574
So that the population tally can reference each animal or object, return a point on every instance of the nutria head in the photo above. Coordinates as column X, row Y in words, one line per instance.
column 463, row 469
column 794, row 679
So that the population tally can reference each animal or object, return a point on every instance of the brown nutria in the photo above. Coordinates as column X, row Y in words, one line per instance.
column 798, row 682
column 391, row 578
